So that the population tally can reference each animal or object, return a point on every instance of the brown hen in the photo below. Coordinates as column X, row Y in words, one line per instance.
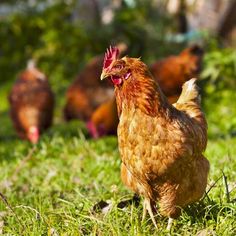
column 172, row 72
column 85, row 94
column 31, row 103
column 161, row 145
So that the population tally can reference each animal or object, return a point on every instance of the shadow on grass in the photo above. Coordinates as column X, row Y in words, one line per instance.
column 67, row 129
column 7, row 132
column 204, row 211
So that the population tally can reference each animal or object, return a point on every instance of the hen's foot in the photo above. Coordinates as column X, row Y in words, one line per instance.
column 148, row 207
column 170, row 222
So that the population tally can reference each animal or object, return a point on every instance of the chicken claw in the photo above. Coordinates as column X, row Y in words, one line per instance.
column 170, row 222
column 147, row 207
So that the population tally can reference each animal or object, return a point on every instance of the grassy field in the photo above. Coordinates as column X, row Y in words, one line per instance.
column 52, row 188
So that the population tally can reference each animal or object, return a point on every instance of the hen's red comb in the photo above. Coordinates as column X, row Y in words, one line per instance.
column 110, row 55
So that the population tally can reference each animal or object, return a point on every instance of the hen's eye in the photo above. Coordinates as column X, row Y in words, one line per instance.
column 118, row 67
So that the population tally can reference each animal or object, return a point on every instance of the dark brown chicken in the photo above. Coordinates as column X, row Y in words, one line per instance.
column 31, row 104
column 85, row 94
column 172, row 72
column 161, row 145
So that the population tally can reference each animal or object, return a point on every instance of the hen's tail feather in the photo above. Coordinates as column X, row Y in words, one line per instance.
column 190, row 92
column 189, row 102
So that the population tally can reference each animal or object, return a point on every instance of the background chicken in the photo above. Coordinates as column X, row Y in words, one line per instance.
column 31, row 103
column 86, row 93
column 170, row 73
column 104, row 120
column 173, row 71
column 160, row 145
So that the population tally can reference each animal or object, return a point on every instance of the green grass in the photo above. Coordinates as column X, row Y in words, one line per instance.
column 51, row 188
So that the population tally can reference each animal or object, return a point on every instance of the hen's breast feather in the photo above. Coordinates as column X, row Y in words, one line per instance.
column 148, row 143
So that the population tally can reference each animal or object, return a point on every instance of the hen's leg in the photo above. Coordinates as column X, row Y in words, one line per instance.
column 170, row 221
column 148, row 207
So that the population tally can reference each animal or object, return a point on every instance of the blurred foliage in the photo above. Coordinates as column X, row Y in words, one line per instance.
column 144, row 28
column 219, row 68
column 219, row 84
column 48, row 36
column 62, row 43
column 220, row 110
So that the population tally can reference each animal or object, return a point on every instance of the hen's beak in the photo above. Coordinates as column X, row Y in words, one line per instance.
column 104, row 75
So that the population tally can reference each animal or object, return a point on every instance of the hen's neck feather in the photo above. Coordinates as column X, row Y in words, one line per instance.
column 142, row 92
